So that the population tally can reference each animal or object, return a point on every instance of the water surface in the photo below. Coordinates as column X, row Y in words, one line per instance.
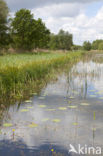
column 68, row 111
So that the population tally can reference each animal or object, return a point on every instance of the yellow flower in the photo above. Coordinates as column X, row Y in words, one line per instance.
column 52, row 150
column 13, row 130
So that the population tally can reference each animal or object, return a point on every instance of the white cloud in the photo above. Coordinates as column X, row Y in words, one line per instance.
column 72, row 18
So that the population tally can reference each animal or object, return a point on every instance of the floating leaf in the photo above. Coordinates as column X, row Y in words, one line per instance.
column 71, row 97
column 93, row 129
column 72, row 106
column 56, row 120
column 62, row 108
column 85, row 104
column 75, row 123
column 7, row 125
column 92, row 95
column 28, row 101
column 50, row 109
column 42, row 106
column 33, row 125
column 24, row 110
column 46, row 119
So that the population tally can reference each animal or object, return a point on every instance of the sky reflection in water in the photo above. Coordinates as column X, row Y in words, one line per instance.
column 63, row 114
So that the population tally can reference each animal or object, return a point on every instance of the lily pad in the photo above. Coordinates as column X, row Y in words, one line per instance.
column 72, row 106
column 7, row 124
column 32, row 125
column 24, row 110
column 71, row 97
column 85, row 104
column 62, row 108
column 75, row 123
column 46, row 119
column 42, row 106
column 28, row 101
column 50, row 109
column 56, row 120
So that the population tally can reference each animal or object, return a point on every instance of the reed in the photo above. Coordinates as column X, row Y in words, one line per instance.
column 19, row 70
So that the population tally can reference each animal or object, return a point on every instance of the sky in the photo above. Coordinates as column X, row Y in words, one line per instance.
column 82, row 18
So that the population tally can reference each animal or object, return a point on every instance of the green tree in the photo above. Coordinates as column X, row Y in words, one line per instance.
column 42, row 36
column 53, row 44
column 100, row 46
column 4, row 36
column 65, row 40
column 87, row 45
column 27, row 32
column 95, row 44
column 62, row 41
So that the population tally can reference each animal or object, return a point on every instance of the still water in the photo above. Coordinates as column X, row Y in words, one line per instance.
column 67, row 111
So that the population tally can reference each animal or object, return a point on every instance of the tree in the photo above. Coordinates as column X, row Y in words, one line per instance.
column 65, row 40
column 27, row 32
column 100, row 46
column 62, row 41
column 4, row 36
column 87, row 45
column 95, row 44
column 42, row 37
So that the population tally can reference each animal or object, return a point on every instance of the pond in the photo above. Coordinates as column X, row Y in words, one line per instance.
column 66, row 113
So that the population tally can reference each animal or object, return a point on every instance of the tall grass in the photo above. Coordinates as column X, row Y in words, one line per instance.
column 19, row 70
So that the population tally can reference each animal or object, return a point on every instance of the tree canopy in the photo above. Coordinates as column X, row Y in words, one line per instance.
column 63, row 41
column 4, row 37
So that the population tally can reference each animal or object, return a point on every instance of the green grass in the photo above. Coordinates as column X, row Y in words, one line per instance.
column 17, row 71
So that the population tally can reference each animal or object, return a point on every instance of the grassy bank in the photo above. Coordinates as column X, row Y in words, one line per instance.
column 18, row 71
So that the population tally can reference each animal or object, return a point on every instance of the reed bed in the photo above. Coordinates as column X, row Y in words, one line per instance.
column 19, row 70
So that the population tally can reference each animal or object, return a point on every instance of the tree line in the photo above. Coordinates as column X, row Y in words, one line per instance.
column 26, row 33
column 23, row 32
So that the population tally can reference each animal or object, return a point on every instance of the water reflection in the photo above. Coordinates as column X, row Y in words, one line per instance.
column 68, row 111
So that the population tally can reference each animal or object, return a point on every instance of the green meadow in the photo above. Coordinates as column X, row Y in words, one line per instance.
column 18, row 71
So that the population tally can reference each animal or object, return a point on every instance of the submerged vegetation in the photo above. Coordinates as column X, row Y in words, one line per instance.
column 18, row 71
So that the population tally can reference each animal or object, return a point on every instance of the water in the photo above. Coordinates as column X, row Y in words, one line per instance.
column 68, row 111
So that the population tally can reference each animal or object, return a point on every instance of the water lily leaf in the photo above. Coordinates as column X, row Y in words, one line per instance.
column 62, row 108
column 50, row 109
column 72, row 106
column 56, row 120
column 24, row 110
column 92, row 95
column 93, row 129
column 46, row 119
column 32, row 125
column 7, row 125
column 71, row 97
column 92, row 90
column 28, row 101
column 42, row 106
column 75, row 123
column 85, row 104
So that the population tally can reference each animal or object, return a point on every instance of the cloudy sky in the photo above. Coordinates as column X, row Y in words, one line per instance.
column 82, row 18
